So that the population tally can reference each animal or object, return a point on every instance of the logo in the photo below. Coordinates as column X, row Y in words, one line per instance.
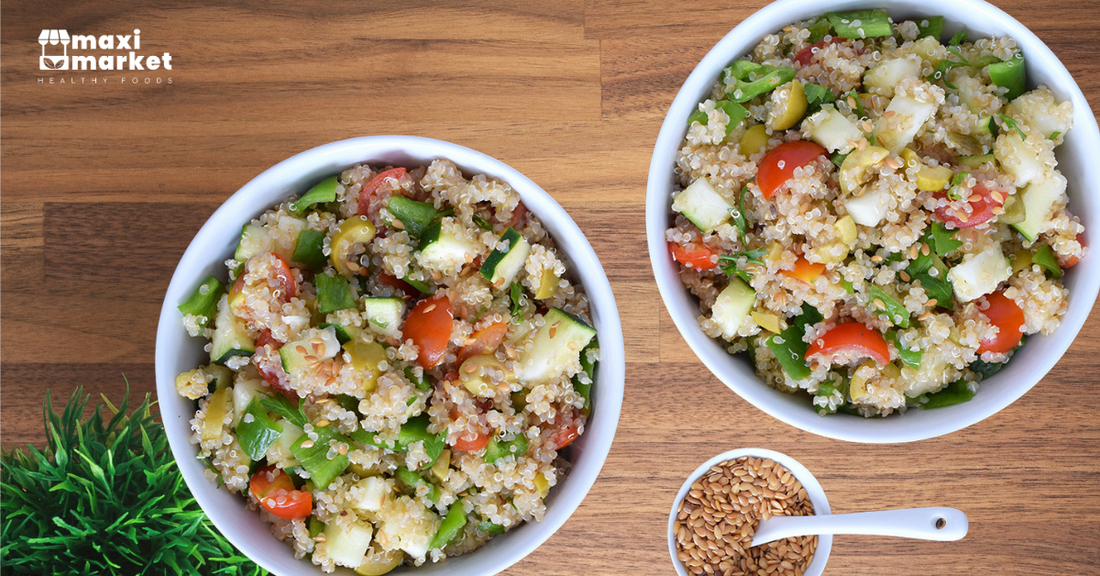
column 53, row 38
column 130, row 60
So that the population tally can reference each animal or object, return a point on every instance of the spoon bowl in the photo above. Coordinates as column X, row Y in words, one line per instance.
column 813, row 488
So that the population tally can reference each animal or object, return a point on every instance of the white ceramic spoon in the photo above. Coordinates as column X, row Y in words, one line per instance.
column 943, row 524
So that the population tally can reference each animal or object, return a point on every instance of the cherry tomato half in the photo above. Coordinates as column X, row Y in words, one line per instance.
column 471, row 443
column 806, row 54
column 517, row 216
column 276, row 493
column 429, row 327
column 1069, row 261
column 981, row 209
column 370, row 197
column 285, row 277
column 779, row 164
column 1006, row 315
column 805, row 270
column 851, row 336
column 485, row 341
column 695, row 256
column 567, row 430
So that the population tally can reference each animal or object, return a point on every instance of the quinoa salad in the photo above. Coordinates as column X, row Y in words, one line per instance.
column 872, row 211
column 397, row 363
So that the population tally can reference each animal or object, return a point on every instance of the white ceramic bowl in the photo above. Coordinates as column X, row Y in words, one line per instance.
column 176, row 352
column 813, row 489
column 1076, row 160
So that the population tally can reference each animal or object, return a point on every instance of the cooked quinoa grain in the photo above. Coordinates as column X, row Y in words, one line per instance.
column 876, row 218
column 396, row 368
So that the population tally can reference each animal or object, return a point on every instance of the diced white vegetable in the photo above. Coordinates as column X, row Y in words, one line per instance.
column 869, row 209
column 347, row 545
column 889, row 72
column 980, row 274
column 895, row 131
column 832, row 129
column 703, row 205
column 243, row 393
column 1039, row 110
column 372, row 494
column 279, row 452
column 732, row 306
column 1024, row 160
column 1040, row 198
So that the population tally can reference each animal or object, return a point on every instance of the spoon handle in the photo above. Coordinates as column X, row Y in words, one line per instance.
column 943, row 524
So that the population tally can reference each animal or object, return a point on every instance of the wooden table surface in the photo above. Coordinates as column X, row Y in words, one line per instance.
column 104, row 185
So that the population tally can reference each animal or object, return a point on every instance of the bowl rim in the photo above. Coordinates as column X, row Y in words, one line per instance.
column 897, row 428
column 814, row 490
column 292, row 176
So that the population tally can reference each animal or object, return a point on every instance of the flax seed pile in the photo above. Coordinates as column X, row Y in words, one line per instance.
column 719, row 516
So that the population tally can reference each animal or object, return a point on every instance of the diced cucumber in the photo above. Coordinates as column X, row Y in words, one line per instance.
column 333, row 293
column 203, row 302
column 504, row 262
column 443, row 251
column 344, row 334
column 254, row 240
column 980, row 274
column 861, row 23
column 832, row 129
column 888, row 73
column 384, row 315
column 895, row 131
column 301, row 354
column 556, row 345
column 415, row 217
column 313, row 454
column 732, row 306
column 977, row 161
column 322, row 192
column 1009, row 74
column 244, row 392
column 703, row 205
column 279, row 453
column 230, row 335
column 308, row 250
column 869, row 209
column 347, row 545
column 1039, row 198
column 222, row 377
column 1019, row 159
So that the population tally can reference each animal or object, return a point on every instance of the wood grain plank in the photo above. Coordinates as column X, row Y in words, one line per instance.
column 702, row 19
column 24, row 388
column 22, row 244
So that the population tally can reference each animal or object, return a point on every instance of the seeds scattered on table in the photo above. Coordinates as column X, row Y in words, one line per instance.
column 719, row 516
